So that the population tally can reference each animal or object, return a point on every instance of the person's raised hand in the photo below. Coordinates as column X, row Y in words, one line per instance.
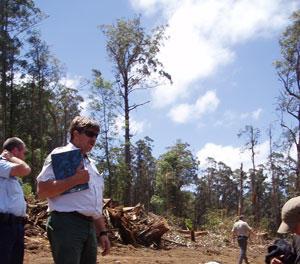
column 7, row 154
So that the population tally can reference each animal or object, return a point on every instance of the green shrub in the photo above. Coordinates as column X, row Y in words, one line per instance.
column 27, row 189
column 189, row 224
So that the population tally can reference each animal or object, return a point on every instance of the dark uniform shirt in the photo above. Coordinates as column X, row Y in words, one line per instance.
column 296, row 247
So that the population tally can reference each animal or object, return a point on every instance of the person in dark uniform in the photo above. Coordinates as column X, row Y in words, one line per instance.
column 12, row 202
column 290, row 216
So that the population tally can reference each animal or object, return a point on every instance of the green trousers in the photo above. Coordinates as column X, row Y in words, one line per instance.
column 72, row 239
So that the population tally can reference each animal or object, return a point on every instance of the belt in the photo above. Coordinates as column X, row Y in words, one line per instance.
column 242, row 236
column 85, row 217
column 12, row 219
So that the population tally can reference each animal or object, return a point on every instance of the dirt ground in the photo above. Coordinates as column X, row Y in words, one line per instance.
column 38, row 252
column 176, row 245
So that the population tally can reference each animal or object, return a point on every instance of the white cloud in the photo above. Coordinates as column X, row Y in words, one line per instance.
column 256, row 114
column 84, row 106
column 231, row 117
column 243, row 116
column 232, row 156
column 152, row 6
column 184, row 113
column 74, row 83
column 203, row 34
column 181, row 113
column 71, row 82
column 135, row 127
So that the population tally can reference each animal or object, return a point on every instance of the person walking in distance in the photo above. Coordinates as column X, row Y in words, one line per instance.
column 12, row 202
column 75, row 219
column 242, row 231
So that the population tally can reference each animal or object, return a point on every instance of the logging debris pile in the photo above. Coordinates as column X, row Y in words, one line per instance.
column 35, row 228
column 128, row 225
column 132, row 225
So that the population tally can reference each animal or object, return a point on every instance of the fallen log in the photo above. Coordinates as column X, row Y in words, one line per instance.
column 201, row 233
column 197, row 233
column 192, row 234
column 136, row 226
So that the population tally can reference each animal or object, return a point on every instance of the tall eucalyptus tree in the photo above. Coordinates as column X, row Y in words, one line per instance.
column 251, row 136
column 135, row 64
column 17, row 17
column 288, row 70
column 104, row 105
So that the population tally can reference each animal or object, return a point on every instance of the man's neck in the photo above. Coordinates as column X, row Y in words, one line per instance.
column 83, row 154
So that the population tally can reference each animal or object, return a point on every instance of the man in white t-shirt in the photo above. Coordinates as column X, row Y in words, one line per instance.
column 242, row 231
column 75, row 218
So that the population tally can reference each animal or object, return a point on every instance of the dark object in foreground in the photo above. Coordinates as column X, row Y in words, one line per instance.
column 281, row 247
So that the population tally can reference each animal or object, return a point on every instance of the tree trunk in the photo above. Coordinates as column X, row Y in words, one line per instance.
column 275, row 185
column 240, row 207
column 12, row 101
column 127, row 151
column 108, row 164
column 298, row 157
column 3, row 66
column 33, row 138
column 254, row 188
column 55, row 127
column 41, row 119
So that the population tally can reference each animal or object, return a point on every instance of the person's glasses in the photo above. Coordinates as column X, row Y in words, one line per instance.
column 88, row 133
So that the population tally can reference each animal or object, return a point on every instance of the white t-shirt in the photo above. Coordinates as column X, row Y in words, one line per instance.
column 241, row 228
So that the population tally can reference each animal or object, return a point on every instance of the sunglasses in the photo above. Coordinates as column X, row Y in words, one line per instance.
column 88, row 133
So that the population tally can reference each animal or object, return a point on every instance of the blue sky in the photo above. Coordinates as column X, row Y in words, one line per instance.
column 220, row 55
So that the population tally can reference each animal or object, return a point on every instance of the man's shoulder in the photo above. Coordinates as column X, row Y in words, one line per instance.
column 236, row 224
column 4, row 163
column 240, row 224
column 58, row 150
column 3, row 160
column 296, row 246
column 5, row 169
column 245, row 224
column 63, row 148
column 296, row 239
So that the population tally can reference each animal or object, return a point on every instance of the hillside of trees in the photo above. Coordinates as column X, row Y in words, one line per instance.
column 38, row 107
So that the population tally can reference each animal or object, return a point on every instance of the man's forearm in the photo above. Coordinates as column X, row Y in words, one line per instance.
column 99, row 225
column 233, row 236
column 21, row 169
column 53, row 188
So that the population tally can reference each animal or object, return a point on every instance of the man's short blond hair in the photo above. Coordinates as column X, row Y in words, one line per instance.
column 80, row 123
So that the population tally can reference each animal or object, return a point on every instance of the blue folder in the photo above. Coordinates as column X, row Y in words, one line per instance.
column 65, row 164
